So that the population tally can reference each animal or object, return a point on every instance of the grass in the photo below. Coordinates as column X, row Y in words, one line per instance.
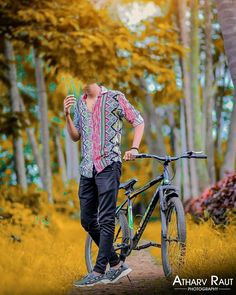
column 50, row 253
column 210, row 249
column 41, row 253
column 47, row 259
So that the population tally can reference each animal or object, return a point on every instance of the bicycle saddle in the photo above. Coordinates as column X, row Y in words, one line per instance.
column 128, row 184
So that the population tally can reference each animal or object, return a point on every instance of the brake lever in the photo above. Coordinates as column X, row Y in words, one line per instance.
column 201, row 152
column 190, row 153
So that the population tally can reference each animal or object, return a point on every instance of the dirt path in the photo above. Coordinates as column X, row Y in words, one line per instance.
column 144, row 275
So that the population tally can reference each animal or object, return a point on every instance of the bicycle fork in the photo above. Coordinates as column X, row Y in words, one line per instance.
column 163, row 206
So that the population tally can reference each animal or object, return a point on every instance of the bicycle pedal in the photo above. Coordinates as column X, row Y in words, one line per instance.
column 150, row 244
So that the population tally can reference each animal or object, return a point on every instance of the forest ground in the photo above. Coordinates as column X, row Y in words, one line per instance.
column 147, row 277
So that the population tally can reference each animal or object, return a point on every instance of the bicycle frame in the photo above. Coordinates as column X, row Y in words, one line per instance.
column 164, row 192
column 159, row 194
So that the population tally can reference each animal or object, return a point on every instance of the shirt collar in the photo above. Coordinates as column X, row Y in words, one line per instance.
column 103, row 90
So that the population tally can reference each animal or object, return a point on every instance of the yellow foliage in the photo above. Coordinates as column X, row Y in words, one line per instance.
column 209, row 250
column 47, row 259
column 45, row 250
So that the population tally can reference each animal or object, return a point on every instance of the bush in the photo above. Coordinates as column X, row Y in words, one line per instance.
column 217, row 202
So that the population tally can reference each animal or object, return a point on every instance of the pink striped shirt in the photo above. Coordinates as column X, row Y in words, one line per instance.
column 101, row 129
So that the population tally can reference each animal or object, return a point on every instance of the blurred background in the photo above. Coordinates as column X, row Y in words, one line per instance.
column 168, row 57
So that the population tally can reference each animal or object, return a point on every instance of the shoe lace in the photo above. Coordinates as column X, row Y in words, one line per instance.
column 111, row 271
column 88, row 275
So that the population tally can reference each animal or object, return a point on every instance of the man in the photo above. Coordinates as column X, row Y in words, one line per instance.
column 98, row 122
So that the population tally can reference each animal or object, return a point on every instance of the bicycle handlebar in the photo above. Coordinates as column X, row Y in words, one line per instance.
column 199, row 157
column 167, row 159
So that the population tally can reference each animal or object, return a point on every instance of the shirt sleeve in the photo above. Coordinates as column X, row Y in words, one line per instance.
column 132, row 115
column 76, row 118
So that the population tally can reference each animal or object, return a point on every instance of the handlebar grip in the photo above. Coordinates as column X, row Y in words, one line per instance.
column 199, row 156
column 140, row 156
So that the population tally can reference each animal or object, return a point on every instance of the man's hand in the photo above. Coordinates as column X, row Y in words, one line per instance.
column 130, row 155
column 68, row 103
column 72, row 130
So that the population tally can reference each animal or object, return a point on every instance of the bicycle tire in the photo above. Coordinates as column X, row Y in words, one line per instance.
column 120, row 219
column 168, row 265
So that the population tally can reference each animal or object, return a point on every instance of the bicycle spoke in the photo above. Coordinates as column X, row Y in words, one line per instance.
column 115, row 238
column 120, row 243
column 175, row 247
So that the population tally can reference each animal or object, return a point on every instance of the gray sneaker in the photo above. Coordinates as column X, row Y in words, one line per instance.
column 113, row 275
column 89, row 280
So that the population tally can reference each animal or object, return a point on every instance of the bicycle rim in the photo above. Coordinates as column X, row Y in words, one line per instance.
column 121, row 236
column 174, row 245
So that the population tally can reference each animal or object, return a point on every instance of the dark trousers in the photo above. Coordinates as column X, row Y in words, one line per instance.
column 98, row 196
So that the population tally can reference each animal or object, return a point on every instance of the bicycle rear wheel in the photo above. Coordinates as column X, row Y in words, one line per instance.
column 121, row 237
column 173, row 246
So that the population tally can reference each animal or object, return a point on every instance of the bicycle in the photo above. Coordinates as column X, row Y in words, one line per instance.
column 173, row 232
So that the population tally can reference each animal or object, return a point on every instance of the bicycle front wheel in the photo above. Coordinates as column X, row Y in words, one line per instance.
column 173, row 246
column 121, row 242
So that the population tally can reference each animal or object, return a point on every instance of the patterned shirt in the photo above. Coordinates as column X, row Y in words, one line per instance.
column 101, row 129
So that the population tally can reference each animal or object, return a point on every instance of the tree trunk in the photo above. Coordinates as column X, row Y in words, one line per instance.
column 171, row 123
column 227, row 19
column 152, row 121
column 60, row 156
column 159, row 145
column 177, row 151
column 218, row 108
column 230, row 156
column 195, row 94
column 218, row 141
column 185, row 166
column 33, row 143
column 149, row 139
column 194, row 190
column 43, row 107
column 72, row 158
column 15, row 106
column 209, row 94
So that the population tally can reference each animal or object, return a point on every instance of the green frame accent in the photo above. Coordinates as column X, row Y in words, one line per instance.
column 130, row 215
